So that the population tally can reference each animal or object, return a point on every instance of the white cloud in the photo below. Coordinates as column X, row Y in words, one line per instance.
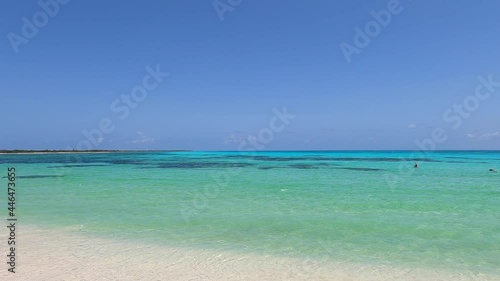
column 412, row 126
column 484, row 136
column 491, row 135
column 143, row 139
column 235, row 138
column 238, row 137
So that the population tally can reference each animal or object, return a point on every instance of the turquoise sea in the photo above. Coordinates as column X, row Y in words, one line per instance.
column 354, row 206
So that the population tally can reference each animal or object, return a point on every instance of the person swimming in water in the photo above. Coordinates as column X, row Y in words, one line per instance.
column 491, row 170
column 415, row 165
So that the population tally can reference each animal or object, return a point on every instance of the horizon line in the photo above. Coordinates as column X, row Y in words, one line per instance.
column 26, row 151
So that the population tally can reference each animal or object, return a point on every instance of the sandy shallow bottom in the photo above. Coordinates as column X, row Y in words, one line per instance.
column 44, row 254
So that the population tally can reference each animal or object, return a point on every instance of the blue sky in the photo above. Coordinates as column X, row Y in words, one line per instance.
column 226, row 77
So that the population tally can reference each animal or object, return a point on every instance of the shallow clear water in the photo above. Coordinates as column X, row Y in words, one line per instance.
column 370, row 207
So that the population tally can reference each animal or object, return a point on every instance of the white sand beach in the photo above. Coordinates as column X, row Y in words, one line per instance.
column 44, row 254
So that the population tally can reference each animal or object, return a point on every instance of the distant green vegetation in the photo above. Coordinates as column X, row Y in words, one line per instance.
column 79, row 151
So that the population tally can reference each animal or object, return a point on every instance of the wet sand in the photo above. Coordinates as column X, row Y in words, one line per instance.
column 45, row 254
